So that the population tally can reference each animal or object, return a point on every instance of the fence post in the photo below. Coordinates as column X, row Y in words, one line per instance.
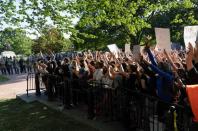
column 27, row 84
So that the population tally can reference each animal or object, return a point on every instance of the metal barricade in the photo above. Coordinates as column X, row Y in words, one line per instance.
column 30, row 82
column 101, row 100
column 69, row 91
column 151, row 114
column 75, row 92
column 134, row 108
column 34, row 80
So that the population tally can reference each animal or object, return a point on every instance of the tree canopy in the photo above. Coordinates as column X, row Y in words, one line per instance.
column 51, row 40
column 17, row 39
column 36, row 14
column 101, row 22
column 129, row 21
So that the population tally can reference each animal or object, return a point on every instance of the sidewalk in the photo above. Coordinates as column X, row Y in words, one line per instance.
column 16, row 85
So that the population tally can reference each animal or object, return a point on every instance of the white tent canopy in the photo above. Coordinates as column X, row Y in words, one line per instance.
column 8, row 54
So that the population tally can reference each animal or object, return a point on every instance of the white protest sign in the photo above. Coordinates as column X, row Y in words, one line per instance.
column 190, row 35
column 163, row 39
column 114, row 49
column 127, row 48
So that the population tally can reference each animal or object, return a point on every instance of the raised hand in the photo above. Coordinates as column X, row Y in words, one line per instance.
column 189, row 56
column 170, row 60
column 145, row 59
column 196, row 53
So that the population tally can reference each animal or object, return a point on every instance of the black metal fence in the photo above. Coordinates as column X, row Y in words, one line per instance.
column 33, row 81
column 142, row 111
column 135, row 109
column 30, row 82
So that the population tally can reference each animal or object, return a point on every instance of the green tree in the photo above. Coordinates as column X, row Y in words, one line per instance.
column 51, row 40
column 181, row 14
column 101, row 22
column 123, row 21
column 126, row 18
column 98, row 38
column 35, row 15
column 17, row 39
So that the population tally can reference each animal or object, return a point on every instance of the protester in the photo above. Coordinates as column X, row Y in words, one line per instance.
column 158, row 74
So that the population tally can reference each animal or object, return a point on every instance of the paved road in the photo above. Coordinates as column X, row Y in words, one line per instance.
column 16, row 85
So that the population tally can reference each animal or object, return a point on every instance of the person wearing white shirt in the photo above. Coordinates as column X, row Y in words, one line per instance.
column 98, row 74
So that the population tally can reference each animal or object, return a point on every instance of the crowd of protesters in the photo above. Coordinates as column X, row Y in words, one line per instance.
column 160, row 74
column 12, row 65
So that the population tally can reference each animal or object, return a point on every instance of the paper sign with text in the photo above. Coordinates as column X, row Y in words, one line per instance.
column 127, row 48
column 163, row 39
column 190, row 35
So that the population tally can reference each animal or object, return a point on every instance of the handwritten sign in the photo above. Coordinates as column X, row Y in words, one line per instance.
column 190, row 35
column 127, row 48
column 163, row 39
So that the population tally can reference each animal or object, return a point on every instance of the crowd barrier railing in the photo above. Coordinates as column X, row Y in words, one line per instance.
column 135, row 109
column 34, row 80
column 102, row 100
column 30, row 82
column 142, row 111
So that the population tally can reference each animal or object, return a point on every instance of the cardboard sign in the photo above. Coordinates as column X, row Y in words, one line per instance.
column 190, row 35
column 127, row 48
column 163, row 39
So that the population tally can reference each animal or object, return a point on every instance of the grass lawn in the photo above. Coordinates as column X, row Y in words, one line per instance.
column 16, row 115
column 3, row 78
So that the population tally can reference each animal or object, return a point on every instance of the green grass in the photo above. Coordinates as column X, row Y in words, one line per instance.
column 16, row 115
column 3, row 78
